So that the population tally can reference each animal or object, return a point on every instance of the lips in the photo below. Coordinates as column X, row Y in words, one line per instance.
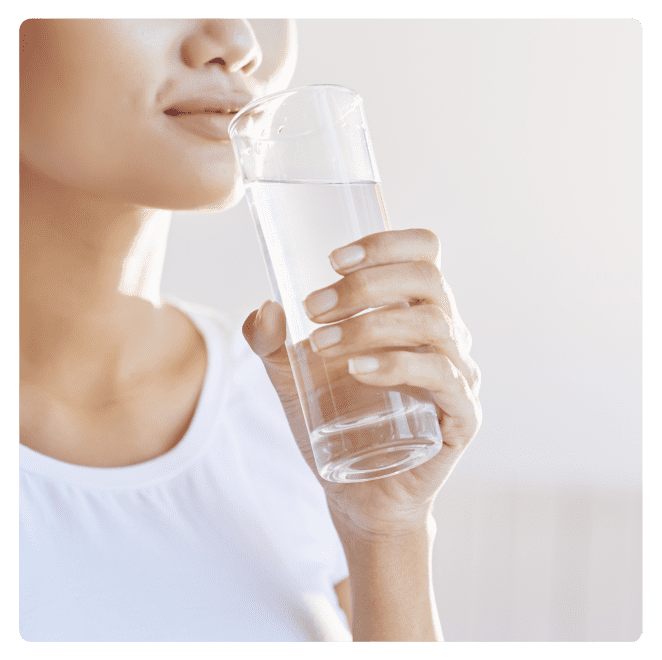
column 212, row 125
column 207, row 116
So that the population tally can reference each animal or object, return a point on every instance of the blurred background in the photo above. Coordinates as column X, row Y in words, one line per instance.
column 519, row 143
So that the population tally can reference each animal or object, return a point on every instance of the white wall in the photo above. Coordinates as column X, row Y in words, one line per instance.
column 519, row 143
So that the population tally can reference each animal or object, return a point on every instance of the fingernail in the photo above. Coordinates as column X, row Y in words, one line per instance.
column 362, row 365
column 347, row 256
column 325, row 337
column 318, row 303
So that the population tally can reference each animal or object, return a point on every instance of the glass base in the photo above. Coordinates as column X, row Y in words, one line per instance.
column 379, row 463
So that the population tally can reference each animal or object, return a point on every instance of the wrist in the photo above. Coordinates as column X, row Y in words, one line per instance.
column 371, row 531
column 391, row 586
column 363, row 546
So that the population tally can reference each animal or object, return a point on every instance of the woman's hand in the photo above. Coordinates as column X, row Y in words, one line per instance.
column 397, row 267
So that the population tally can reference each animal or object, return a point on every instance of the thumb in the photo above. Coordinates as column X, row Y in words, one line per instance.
column 265, row 330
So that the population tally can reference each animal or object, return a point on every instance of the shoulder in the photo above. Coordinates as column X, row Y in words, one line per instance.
column 197, row 313
column 215, row 325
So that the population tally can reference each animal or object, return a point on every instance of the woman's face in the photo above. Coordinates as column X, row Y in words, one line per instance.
column 94, row 95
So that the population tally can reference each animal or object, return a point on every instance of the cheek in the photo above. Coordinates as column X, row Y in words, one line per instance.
column 80, row 112
column 72, row 144
column 96, row 127
column 66, row 129
column 130, row 157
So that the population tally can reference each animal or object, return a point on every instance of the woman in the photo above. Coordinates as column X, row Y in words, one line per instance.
column 161, row 497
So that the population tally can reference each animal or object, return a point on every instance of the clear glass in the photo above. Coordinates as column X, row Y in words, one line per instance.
column 312, row 186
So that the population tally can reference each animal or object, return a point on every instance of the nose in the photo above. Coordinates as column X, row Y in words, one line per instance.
column 229, row 42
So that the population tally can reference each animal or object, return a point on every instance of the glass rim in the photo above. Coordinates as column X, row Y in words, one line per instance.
column 257, row 102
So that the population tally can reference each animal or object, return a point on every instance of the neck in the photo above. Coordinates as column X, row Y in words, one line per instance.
column 90, row 271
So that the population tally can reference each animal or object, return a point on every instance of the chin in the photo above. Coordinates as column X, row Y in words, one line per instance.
column 232, row 198
column 203, row 199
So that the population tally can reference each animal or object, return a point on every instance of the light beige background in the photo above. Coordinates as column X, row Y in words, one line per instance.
column 518, row 142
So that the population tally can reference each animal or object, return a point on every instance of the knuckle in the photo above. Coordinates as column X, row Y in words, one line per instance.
column 445, row 287
column 391, row 363
column 356, row 283
column 365, row 328
column 479, row 414
column 434, row 325
column 411, row 364
column 428, row 273
column 449, row 370
column 468, row 340
column 474, row 379
column 475, row 376
column 428, row 269
column 461, row 337
column 429, row 237
column 477, row 381
column 471, row 373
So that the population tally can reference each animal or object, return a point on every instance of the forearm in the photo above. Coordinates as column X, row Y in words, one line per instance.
column 392, row 594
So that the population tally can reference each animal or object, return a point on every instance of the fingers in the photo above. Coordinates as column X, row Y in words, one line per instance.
column 393, row 247
column 413, row 282
column 432, row 372
column 386, row 248
column 422, row 325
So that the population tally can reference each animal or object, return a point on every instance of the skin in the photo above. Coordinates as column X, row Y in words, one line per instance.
column 110, row 379
column 399, row 266
column 97, row 156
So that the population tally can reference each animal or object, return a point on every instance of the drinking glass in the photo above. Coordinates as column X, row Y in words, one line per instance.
column 312, row 186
